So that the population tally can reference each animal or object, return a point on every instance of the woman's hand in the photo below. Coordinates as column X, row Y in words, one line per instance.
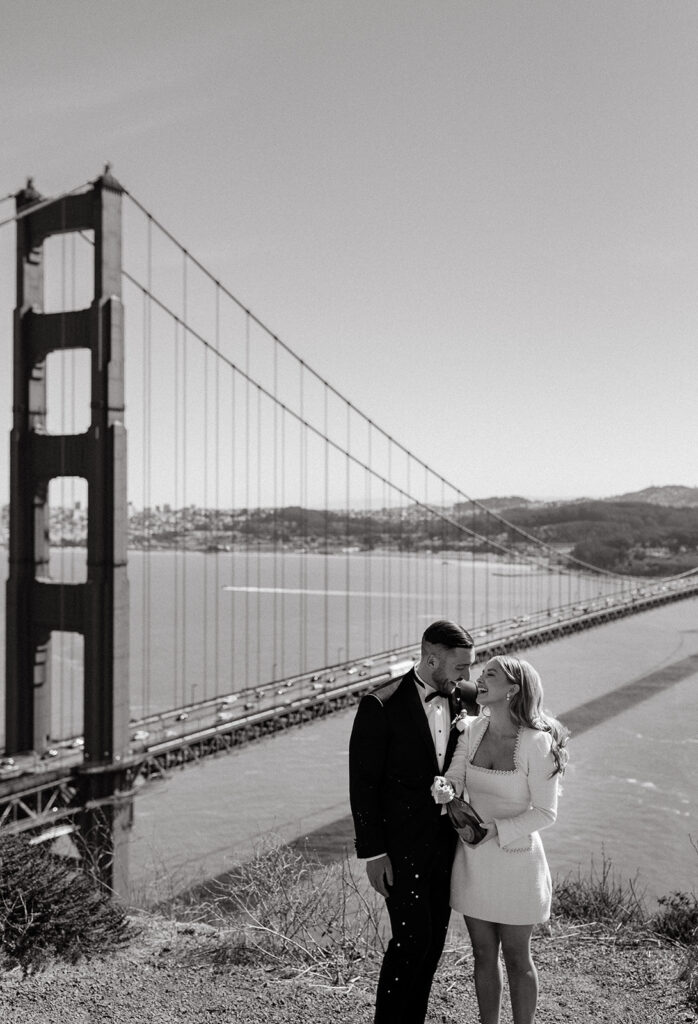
column 492, row 832
column 441, row 790
column 468, row 835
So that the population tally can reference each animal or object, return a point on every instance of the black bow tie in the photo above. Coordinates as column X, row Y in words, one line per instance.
column 433, row 695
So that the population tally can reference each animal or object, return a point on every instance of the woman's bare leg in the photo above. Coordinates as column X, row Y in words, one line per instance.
column 521, row 971
column 484, row 936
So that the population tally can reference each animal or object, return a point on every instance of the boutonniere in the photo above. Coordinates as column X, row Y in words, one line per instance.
column 459, row 721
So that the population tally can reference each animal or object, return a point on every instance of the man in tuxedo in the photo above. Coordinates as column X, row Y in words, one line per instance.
column 401, row 739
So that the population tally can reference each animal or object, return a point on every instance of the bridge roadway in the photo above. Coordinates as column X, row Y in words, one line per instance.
column 39, row 792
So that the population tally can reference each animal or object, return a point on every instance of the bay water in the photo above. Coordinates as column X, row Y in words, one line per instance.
column 203, row 625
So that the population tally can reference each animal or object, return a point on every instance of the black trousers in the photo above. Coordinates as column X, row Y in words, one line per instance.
column 419, row 912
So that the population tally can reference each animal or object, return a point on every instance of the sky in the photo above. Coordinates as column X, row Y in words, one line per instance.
column 476, row 220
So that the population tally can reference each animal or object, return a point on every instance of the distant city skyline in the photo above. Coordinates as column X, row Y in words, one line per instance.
column 477, row 222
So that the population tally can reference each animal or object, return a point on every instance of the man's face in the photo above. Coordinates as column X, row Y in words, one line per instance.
column 454, row 665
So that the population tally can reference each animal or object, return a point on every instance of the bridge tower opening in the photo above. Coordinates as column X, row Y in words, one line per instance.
column 97, row 608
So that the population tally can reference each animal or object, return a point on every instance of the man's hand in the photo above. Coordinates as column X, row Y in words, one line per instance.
column 380, row 874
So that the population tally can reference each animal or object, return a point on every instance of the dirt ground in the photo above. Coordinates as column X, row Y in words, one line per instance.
column 173, row 972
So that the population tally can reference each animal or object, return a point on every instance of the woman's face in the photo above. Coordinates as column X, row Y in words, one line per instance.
column 493, row 685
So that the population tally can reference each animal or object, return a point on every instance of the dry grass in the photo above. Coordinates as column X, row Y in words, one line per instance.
column 286, row 908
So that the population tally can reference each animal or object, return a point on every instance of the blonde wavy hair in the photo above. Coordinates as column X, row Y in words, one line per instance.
column 526, row 707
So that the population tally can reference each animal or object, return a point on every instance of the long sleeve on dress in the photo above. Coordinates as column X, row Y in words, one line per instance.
column 536, row 760
column 459, row 762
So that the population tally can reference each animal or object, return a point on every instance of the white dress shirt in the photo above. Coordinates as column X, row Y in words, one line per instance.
column 438, row 714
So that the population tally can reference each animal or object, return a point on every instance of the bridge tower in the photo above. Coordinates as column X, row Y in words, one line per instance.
column 97, row 608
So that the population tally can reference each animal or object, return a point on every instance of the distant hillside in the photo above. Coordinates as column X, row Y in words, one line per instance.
column 499, row 504
column 635, row 537
column 671, row 496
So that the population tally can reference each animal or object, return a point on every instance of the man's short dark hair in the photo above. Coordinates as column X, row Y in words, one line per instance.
column 447, row 634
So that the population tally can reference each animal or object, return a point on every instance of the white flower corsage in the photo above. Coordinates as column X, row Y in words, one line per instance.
column 459, row 722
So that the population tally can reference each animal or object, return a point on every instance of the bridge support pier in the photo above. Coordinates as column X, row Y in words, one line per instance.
column 104, row 824
column 98, row 608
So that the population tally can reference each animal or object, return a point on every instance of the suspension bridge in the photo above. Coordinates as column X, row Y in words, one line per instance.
column 265, row 554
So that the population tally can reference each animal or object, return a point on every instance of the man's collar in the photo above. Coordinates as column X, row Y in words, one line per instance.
column 426, row 690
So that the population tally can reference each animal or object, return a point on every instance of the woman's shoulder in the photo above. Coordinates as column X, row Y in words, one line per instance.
column 466, row 726
column 468, row 723
column 535, row 741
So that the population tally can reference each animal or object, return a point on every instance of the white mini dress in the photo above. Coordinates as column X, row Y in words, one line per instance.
column 506, row 879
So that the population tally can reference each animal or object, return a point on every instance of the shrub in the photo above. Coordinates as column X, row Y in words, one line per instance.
column 598, row 896
column 50, row 907
column 678, row 918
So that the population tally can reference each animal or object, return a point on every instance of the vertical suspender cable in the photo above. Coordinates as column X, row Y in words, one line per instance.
column 207, row 528
column 258, row 624
column 176, row 631
column 326, row 560
column 487, row 567
column 368, row 546
column 408, row 548
column 144, row 556
column 444, row 553
column 426, row 560
column 348, row 540
column 248, row 521
column 217, row 498
column 275, row 512
column 73, row 638
column 477, row 614
column 147, row 495
column 62, row 428
column 185, row 678
column 233, row 537
column 284, row 645
column 302, row 597
column 456, row 543
column 388, row 557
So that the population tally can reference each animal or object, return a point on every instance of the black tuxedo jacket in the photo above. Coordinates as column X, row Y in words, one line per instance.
column 392, row 764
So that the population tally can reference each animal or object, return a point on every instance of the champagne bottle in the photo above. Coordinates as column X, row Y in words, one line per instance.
column 466, row 821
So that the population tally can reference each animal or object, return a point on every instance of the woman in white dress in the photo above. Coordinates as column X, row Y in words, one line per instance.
column 507, row 764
